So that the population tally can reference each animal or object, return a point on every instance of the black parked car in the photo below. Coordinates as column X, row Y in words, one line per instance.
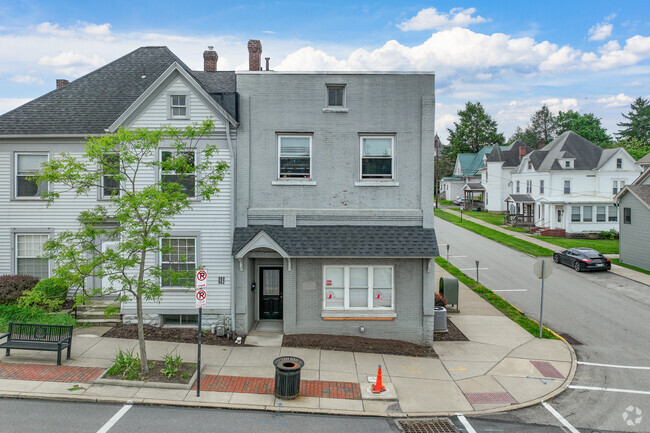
column 583, row 259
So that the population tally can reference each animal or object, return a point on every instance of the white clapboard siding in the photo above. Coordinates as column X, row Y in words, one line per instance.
column 156, row 112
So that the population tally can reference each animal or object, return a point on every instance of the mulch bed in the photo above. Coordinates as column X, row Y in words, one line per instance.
column 452, row 334
column 180, row 335
column 184, row 375
column 357, row 344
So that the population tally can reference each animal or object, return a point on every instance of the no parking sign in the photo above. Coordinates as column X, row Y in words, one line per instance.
column 201, row 279
column 201, row 298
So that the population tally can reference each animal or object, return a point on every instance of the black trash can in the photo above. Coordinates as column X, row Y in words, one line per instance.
column 287, row 376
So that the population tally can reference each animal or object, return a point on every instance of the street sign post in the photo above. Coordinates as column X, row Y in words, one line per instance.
column 201, row 299
column 543, row 269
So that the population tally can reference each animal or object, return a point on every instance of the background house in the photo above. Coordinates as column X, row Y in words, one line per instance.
column 570, row 184
column 145, row 88
column 465, row 171
column 496, row 173
column 634, row 219
column 334, row 223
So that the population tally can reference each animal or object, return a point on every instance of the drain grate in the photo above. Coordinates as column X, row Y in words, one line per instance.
column 436, row 425
column 572, row 341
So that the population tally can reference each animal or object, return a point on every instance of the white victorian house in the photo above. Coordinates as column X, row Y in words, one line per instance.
column 570, row 184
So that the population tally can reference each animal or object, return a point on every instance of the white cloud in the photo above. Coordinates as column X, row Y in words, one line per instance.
column 556, row 105
column 430, row 19
column 48, row 28
column 620, row 100
column 26, row 79
column 633, row 84
column 310, row 59
column 69, row 62
column 483, row 76
column 101, row 31
column 8, row 104
column 268, row 32
column 600, row 31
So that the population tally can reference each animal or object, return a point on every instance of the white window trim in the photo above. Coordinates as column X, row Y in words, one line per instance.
column 563, row 186
column 295, row 180
column 346, row 289
column 196, row 152
column 169, row 106
column 196, row 257
column 14, row 178
column 392, row 161
column 583, row 214
column 14, row 246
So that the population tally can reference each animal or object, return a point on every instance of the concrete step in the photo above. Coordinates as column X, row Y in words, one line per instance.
column 100, row 322
column 93, row 315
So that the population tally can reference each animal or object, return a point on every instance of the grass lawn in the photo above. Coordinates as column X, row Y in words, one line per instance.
column 13, row 313
column 445, row 202
column 497, row 236
column 625, row 265
column 604, row 246
column 491, row 218
column 497, row 301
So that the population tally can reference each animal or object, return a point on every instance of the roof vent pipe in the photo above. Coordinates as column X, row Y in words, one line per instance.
column 267, row 62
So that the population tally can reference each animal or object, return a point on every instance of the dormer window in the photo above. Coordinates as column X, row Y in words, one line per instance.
column 178, row 107
column 530, row 165
column 567, row 164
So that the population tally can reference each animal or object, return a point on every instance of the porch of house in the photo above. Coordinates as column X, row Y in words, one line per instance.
column 521, row 211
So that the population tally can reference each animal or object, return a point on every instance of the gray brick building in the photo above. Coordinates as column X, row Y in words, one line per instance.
column 334, row 202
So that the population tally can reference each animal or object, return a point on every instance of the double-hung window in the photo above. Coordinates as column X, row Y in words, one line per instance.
column 358, row 288
column 529, row 186
column 612, row 214
column 627, row 215
column 178, row 261
column 294, row 160
column 29, row 252
column 377, row 157
column 567, row 187
column 575, row 213
column 179, row 169
column 600, row 214
column 541, row 187
column 587, row 213
column 110, row 166
column 617, row 186
column 518, row 188
column 28, row 165
column 178, row 106
column 619, row 163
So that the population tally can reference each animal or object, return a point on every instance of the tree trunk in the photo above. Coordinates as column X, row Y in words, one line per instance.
column 143, row 349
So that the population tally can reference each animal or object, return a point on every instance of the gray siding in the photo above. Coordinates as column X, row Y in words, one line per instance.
column 398, row 104
column 634, row 237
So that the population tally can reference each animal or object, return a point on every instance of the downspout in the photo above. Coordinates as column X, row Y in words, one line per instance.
column 233, row 194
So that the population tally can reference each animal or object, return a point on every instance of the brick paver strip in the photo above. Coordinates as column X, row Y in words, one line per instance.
column 547, row 369
column 260, row 385
column 489, row 398
column 49, row 373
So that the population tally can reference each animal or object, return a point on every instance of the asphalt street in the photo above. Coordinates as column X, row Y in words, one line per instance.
column 608, row 314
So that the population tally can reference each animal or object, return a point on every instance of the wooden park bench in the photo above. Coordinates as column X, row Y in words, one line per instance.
column 33, row 336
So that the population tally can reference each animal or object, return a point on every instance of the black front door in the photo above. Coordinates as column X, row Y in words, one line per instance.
column 270, row 293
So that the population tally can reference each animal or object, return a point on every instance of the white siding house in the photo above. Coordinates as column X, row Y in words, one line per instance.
column 571, row 184
column 147, row 88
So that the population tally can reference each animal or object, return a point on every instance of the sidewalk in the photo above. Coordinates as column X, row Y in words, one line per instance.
column 630, row 274
column 502, row 367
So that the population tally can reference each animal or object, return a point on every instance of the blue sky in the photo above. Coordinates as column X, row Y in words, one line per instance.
column 590, row 56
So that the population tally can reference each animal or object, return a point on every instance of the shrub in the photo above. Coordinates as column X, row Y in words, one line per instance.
column 441, row 301
column 49, row 294
column 610, row 234
column 172, row 365
column 126, row 366
column 13, row 286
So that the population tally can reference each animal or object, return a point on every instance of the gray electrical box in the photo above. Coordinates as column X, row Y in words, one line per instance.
column 439, row 319
column 449, row 289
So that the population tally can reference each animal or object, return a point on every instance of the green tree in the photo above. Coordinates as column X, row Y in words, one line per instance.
column 586, row 125
column 140, row 212
column 474, row 130
column 635, row 147
column 637, row 126
column 544, row 125
column 526, row 136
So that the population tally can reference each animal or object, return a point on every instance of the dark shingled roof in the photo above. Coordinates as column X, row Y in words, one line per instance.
column 345, row 241
column 509, row 155
column 474, row 187
column 568, row 145
column 90, row 104
column 521, row 198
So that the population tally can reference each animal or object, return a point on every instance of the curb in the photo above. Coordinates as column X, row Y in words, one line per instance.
column 285, row 409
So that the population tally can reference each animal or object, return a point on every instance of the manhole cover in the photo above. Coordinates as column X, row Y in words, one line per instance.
column 438, row 425
column 572, row 341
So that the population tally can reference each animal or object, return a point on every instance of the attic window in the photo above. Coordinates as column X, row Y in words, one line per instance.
column 530, row 165
column 178, row 107
column 567, row 164
column 619, row 163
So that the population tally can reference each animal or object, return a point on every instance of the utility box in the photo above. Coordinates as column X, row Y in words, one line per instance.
column 439, row 319
column 449, row 289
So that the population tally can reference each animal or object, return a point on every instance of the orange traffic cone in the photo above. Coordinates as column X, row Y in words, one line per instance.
column 378, row 386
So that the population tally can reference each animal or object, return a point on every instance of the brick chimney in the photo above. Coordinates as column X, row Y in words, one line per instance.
column 522, row 152
column 254, row 55
column 60, row 82
column 210, row 59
